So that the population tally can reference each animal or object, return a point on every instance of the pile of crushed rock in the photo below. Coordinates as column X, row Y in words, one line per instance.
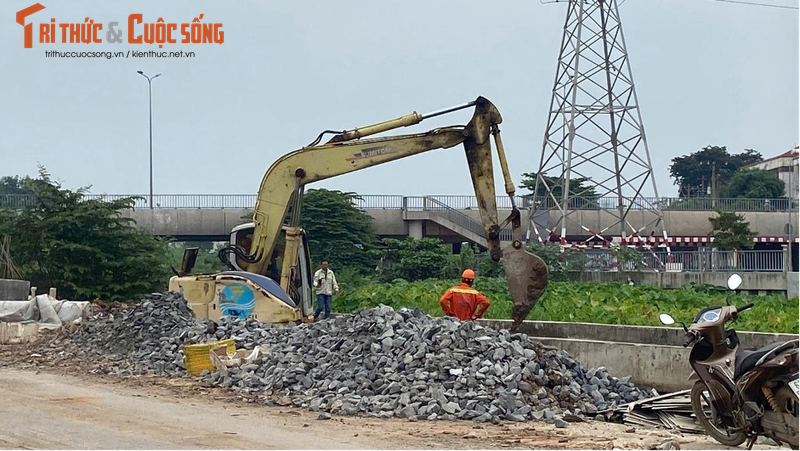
column 376, row 362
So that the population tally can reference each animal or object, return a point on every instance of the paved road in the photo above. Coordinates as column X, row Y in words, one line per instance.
column 47, row 410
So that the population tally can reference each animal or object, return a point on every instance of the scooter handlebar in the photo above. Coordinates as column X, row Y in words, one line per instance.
column 744, row 307
column 691, row 336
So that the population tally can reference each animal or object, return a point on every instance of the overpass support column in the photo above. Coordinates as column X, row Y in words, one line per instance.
column 787, row 257
column 415, row 229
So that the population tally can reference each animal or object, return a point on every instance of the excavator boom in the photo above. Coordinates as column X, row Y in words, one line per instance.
column 281, row 190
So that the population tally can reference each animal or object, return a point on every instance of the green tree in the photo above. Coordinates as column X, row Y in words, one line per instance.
column 731, row 232
column 412, row 259
column 579, row 186
column 693, row 172
column 12, row 184
column 559, row 260
column 755, row 184
column 85, row 248
column 471, row 258
column 628, row 258
column 337, row 231
column 207, row 256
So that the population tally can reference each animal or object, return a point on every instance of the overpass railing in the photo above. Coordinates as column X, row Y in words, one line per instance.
column 435, row 206
column 196, row 201
column 689, row 261
column 458, row 202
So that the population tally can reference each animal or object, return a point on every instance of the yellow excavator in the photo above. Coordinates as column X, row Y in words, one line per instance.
column 273, row 247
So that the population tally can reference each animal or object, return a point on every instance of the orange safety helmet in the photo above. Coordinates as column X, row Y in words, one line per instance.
column 468, row 274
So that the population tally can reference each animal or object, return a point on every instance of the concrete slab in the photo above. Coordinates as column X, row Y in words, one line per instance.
column 14, row 290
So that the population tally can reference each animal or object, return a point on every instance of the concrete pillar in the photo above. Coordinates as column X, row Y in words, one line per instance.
column 787, row 258
column 792, row 287
column 415, row 229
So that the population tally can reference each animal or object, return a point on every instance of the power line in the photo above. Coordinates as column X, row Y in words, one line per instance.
column 739, row 2
column 767, row 5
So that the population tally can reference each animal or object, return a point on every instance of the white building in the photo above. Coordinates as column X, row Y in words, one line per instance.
column 786, row 167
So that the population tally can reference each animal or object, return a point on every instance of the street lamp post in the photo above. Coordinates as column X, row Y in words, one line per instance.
column 150, row 95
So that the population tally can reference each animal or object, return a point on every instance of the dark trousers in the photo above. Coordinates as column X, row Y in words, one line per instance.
column 323, row 301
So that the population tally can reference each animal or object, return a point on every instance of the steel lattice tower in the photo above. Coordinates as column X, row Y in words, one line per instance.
column 594, row 131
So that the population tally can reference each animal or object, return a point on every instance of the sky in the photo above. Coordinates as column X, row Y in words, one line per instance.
column 706, row 73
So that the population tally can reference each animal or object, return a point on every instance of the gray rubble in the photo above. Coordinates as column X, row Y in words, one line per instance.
column 376, row 362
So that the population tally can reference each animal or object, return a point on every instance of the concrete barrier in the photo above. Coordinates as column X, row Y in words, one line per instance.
column 752, row 282
column 652, row 356
column 15, row 333
column 14, row 290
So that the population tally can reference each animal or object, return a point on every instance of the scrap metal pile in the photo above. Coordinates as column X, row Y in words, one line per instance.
column 376, row 362
column 671, row 411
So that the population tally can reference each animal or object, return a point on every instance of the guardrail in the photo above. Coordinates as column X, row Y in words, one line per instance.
column 689, row 261
column 458, row 202
column 461, row 202
column 379, row 202
column 195, row 201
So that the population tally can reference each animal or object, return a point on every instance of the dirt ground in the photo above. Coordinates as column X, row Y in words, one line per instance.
column 51, row 409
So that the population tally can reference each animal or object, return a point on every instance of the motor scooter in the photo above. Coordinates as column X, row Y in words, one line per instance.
column 737, row 394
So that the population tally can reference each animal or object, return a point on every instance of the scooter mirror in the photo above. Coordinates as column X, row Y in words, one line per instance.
column 734, row 281
column 666, row 319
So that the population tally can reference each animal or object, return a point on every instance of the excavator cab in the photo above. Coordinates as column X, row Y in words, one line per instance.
column 242, row 294
column 299, row 287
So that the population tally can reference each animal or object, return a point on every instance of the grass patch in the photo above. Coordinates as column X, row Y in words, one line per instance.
column 604, row 303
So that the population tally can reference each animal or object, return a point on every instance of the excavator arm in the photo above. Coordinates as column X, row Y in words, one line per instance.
column 281, row 191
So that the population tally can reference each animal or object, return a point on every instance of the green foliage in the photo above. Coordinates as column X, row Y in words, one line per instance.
column 470, row 257
column 337, row 231
column 693, row 172
column 581, row 186
column 490, row 268
column 755, row 184
column 608, row 303
column 559, row 260
column 411, row 259
column 12, row 184
column 83, row 247
column 207, row 262
column 349, row 278
column 467, row 259
column 628, row 258
column 731, row 232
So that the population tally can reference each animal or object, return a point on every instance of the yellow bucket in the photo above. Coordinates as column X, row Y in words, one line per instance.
column 197, row 357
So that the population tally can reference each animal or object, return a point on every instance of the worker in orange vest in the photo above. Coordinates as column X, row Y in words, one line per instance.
column 463, row 301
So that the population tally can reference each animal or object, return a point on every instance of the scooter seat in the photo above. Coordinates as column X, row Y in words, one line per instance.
column 746, row 360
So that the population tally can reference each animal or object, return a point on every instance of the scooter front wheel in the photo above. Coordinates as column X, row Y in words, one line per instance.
column 711, row 419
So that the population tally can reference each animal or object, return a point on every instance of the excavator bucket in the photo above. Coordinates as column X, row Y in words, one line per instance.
column 527, row 277
column 526, row 273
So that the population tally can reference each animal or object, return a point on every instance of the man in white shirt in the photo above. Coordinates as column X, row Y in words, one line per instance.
column 325, row 283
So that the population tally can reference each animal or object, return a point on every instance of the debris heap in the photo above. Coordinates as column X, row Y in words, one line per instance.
column 145, row 338
column 376, row 362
